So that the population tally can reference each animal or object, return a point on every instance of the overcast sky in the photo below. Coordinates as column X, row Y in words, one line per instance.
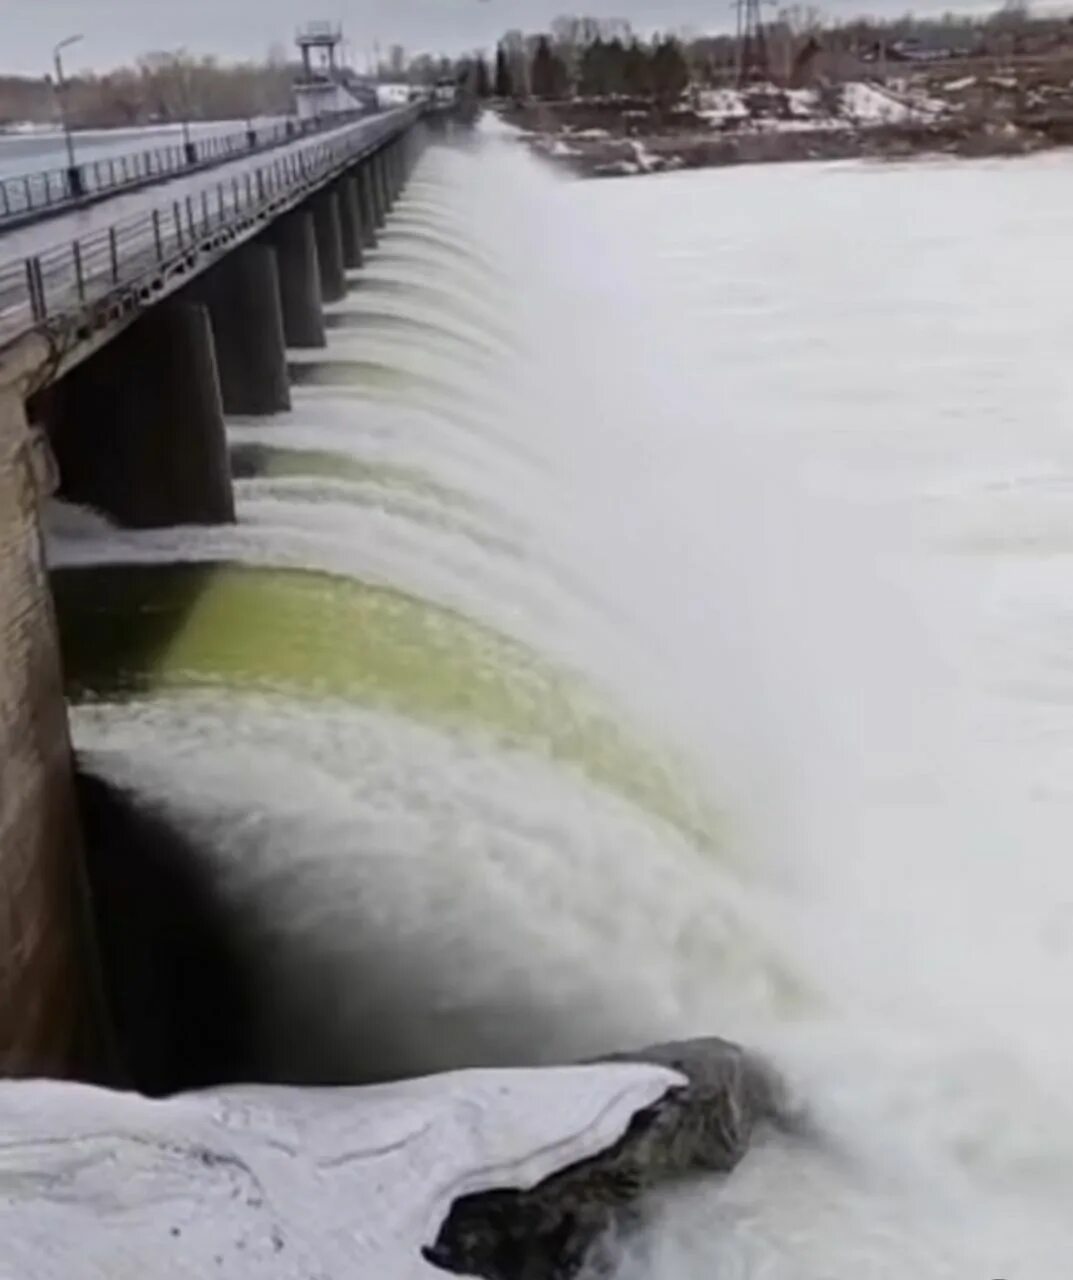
column 118, row 30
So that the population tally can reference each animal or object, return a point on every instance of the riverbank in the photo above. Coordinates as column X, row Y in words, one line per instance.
column 764, row 124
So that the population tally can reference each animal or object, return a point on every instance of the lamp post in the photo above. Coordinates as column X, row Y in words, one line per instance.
column 74, row 173
column 189, row 149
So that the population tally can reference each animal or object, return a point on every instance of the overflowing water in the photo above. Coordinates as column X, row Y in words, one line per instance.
column 653, row 619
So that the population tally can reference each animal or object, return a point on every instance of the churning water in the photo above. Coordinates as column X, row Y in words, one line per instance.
column 654, row 619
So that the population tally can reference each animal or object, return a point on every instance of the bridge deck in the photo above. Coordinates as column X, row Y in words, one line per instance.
column 65, row 264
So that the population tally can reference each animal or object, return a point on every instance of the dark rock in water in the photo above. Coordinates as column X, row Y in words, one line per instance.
column 174, row 983
column 563, row 1225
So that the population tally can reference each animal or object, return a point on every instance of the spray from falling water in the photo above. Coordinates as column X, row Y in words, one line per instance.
column 567, row 687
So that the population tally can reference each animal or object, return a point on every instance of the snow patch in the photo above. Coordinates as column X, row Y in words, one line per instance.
column 278, row 1183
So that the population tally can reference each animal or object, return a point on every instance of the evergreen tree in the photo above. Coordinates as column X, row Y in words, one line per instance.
column 592, row 73
column 482, row 84
column 504, row 86
column 668, row 71
column 615, row 61
column 636, row 71
column 548, row 73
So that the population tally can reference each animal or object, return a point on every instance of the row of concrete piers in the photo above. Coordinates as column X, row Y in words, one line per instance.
column 138, row 428
column 136, row 431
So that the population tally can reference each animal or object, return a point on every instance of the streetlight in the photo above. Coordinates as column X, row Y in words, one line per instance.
column 74, row 173
column 189, row 149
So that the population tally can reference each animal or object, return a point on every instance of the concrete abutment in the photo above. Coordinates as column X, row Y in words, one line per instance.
column 47, row 986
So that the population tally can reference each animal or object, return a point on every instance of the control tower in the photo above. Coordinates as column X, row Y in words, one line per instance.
column 321, row 89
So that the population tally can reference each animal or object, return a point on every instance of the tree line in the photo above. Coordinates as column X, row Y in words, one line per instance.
column 159, row 88
column 542, row 67
column 588, row 57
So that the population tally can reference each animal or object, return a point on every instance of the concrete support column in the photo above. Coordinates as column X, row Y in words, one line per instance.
column 299, row 280
column 350, row 222
column 243, row 297
column 328, row 229
column 391, row 170
column 383, row 202
column 367, row 198
column 402, row 167
column 139, row 427
column 46, row 986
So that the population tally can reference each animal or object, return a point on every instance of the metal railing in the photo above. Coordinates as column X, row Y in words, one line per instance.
column 51, row 189
column 88, row 276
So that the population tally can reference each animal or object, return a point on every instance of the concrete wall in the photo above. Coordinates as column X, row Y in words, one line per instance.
column 44, row 984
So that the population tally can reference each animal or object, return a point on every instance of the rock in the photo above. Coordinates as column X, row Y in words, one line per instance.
column 567, row 1222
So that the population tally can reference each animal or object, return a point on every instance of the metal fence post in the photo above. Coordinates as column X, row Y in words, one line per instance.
column 157, row 236
column 113, row 253
column 80, row 280
column 35, row 286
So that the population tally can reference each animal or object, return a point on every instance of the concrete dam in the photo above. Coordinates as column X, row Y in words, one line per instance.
column 127, row 332
column 326, row 754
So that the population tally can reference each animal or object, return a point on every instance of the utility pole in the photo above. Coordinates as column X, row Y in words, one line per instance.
column 753, row 60
column 74, row 173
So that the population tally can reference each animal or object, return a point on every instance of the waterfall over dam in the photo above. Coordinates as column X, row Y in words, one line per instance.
column 395, row 699
column 609, row 648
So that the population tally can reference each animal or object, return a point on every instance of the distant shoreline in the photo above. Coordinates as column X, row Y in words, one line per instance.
column 609, row 138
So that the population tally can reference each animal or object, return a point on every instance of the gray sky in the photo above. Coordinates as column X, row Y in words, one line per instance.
column 118, row 30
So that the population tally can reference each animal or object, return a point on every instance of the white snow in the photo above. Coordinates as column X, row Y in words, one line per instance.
column 862, row 104
column 870, row 104
column 722, row 104
column 282, row 1183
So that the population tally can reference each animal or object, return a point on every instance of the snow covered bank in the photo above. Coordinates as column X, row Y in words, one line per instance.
column 280, row 1183
column 342, row 1183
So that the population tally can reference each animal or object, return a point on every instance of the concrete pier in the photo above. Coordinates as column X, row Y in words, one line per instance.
column 115, row 372
column 45, row 973
column 363, row 180
column 243, row 297
column 329, row 233
column 394, row 169
column 379, row 190
column 299, row 281
column 138, row 429
column 350, row 222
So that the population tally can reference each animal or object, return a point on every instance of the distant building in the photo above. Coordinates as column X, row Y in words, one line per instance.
column 325, row 87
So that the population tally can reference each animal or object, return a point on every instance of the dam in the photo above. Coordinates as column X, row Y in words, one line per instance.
column 127, row 331
column 634, row 628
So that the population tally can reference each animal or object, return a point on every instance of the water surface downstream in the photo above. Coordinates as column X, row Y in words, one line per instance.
column 654, row 619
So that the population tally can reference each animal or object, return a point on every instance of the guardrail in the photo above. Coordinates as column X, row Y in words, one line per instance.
column 51, row 190
column 95, row 272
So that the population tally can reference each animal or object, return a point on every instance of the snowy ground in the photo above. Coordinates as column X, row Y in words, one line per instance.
column 281, row 1183
column 856, row 104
